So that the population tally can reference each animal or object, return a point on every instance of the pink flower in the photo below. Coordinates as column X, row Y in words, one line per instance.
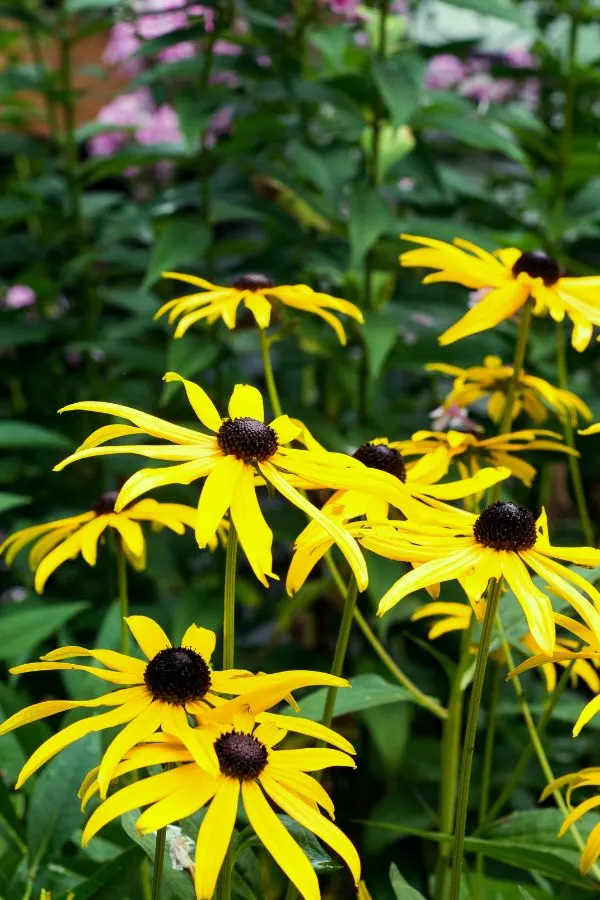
column 264, row 61
column 486, row 90
column 219, row 124
column 229, row 78
column 444, row 71
column 208, row 15
column 19, row 296
column 122, row 45
column 106, row 144
column 454, row 417
column 155, row 26
column 161, row 127
column 226, row 48
column 345, row 8
column 130, row 110
column 520, row 58
column 178, row 52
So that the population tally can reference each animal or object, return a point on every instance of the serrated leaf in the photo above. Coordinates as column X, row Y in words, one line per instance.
column 24, row 629
column 179, row 243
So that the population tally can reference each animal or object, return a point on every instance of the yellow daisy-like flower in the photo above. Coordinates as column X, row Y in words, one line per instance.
column 511, row 277
column 419, row 479
column 457, row 617
column 159, row 692
column 63, row 539
column 241, row 447
column 593, row 429
column 503, row 541
column 258, row 294
column 250, row 768
column 585, row 778
column 475, row 450
column 533, row 395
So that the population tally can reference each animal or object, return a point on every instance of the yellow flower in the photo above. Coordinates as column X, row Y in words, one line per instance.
column 158, row 692
column 503, row 541
column 511, row 278
column 457, row 617
column 258, row 294
column 593, row 429
column 250, row 768
column 589, row 777
column 419, row 479
column 63, row 539
column 241, row 447
column 533, row 394
column 499, row 450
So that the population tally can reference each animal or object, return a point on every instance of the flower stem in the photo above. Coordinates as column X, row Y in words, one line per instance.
column 539, row 747
column 572, row 461
column 341, row 648
column 450, row 760
column 123, row 595
column 229, row 599
column 159, row 863
column 486, row 775
column 265, row 344
column 466, row 766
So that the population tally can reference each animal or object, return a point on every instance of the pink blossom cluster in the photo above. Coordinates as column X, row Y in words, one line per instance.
column 139, row 118
column 19, row 296
column 472, row 77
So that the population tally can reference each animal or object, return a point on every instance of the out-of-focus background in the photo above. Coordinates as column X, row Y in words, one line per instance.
column 297, row 140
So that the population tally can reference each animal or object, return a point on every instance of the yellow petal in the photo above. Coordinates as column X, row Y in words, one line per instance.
column 199, row 400
column 500, row 304
column 145, row 723
column 303, row 784
column 214, row 836
column 151, row 425
column 312, row 759
column 286, row 429
column 148, row 634
column 451, row 566
column 119, row 661
column 260, row 308
column 89, row 536
column 216, row 495
column 68, row 549
column 535, row 604
column 197, row 740
column 246, row 401
column 309, row 728
column 197, row 790
column 279, row 842
column 147, row 479
column 202, row 640
column 256, row 538
column 131, row 533
column 104, row 674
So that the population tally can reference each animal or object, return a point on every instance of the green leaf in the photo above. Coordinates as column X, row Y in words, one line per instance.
column 402, row 889
column 320, row 860
column 178, row 882
column 474, row 131
column 380, row 334
column 499, row 9
column 28, row 436
column 369, row 218
column 114, row 872
column 9, row 501
column 390, row 731
column 179, row 243
column 24, row 629
column 54, row 810
column 366, row 692
column 398, row 80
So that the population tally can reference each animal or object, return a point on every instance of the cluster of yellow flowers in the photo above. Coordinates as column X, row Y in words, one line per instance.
column 381, row 502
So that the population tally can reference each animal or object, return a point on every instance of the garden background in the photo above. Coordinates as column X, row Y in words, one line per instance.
column 296, row 140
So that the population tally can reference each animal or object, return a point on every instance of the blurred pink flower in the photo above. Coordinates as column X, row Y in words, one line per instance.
column 122, row 44
column 157, row 25
column 178, row 52
column 229, row 78
column 264, row 61
column 444, row 71
column 220, row 124
column 161, row 127
column 131, row 110
column 520, row 58
column 226, row 48
column 454, row 417
column 486, row 90
column 19, row 296
column 345, row 8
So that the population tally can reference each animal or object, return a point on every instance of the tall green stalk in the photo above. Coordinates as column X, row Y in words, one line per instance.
column 159, row 863
column 341, row 648
column 265, row 347
column 486, row 773
column 466, row 767
column 122, row 595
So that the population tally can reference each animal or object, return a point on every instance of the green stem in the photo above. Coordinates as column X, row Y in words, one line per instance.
column 265, row 344
column 421, row 698
column 229, row 599
column 466, row 766
column 572, row 461
column 539, row 747
column 123, row 595
column 451, row 759
column 159, row 863
column 486, row 775
column 341, row 648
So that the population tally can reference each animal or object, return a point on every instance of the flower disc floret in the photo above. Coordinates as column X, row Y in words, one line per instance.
column 253, row 281
column 506, row 526
column 382, row 457
column 105, row 503
column 247, row 439
column 241, row 755
column 538, row 265
column 177, row 675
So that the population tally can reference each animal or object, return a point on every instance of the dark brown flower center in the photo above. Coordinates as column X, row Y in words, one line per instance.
column 253, row 281
column 241, row 755
column 177, row 675
column 380, row 456
column 538, row 265
column 505, row 526
column 247, row 439
column 105, row 503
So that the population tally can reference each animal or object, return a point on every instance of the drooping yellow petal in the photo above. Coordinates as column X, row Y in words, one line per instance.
column 119, row 661
column 67, row 550
column 535, row 604
column 104, row 674
column 14, row 543
column 214, row 836
column 451, row 566
column 260, row 308
column 147, row 479
column 303, row 784
column 312, row 759
column 197, row 790
column 89, row 536
column 586, row 715
column 498, row 305
column 215, row 498
column 256, row 538
column 145, row 723
column 131, row 533
column 197, row 740
column 199, row 400
column 246, row 401
column 286, row 429
column 148, row 634
column 309, row 728
column 151, row 425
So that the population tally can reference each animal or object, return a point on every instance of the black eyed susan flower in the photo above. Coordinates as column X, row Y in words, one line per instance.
column 420, row 479
column 451, row 616
column 469, row 451
column 503, row 541
column 63, row 539
column 258, row 294
column 510, row 278
column 584, row 778
column 158, row 692
column 491, row 380
column 241, row 450
column 251, row 767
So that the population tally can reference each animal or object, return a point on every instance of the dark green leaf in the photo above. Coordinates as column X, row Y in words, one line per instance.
column 402, row 889
column 28, row 436
column 320, row 860
column 398, row 80
column 370, row 217
column 24, row 629
column 179, row 242
column 10, row 501
column 366, row 692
